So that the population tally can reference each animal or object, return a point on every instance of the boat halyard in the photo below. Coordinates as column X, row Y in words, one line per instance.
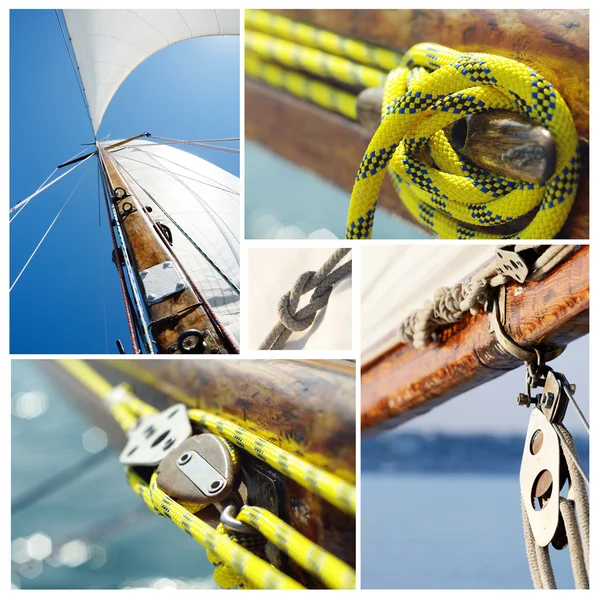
column 194, row 230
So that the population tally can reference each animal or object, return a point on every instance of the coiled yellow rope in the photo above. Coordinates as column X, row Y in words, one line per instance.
column 235, row 557
column 428, row 88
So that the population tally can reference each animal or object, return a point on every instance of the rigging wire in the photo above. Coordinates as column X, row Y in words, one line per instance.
column 76, row 72
column 102, row 268
column 190, row 143
column 227, row 190
column 43, row 187
column 48, row 230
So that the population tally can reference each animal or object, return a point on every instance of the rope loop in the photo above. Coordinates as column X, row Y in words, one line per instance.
column 432, row 88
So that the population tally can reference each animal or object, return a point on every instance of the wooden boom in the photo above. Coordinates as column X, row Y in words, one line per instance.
column 178, row 313
column 405, row 382
column 553, row 42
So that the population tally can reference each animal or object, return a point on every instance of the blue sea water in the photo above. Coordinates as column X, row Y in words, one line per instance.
column 284, row 201
column 121, row 543
column 445, row 531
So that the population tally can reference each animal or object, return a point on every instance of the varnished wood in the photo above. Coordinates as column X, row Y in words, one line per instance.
column 553, row 42
column 146, row 249
column 305, row 407
column 405, row 382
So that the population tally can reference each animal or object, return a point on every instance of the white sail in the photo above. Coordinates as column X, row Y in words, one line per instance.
column 196, row 200
column 109, row 44
column 396, row 280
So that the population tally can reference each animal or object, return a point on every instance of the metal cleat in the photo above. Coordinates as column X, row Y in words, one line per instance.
column 200, row 470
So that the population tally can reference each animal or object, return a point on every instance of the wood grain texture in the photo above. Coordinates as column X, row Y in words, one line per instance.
column 553, row 42
column 147, row 249
column 406, row 382
column 306, row 407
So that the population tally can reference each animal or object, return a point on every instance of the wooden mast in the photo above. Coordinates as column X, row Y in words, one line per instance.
column 405, row 382
column 183, row 311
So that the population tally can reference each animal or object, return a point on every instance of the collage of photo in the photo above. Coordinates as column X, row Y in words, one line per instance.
column 299, row 298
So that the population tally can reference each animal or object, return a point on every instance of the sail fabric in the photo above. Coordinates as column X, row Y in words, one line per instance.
column 109, row 44
column 196, row 200
column 398, row 279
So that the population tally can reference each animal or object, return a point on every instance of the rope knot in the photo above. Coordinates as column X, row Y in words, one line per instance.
column 433, row 88
column 322, row 281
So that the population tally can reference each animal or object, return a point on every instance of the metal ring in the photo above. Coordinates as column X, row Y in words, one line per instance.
column 125, row 209
column 536, row 355
column 198, row 348
column 231, row 523
column 119, row 193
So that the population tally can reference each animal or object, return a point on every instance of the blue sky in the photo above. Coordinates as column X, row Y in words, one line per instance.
column 187, row 91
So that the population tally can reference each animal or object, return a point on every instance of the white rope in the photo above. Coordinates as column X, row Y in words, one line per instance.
column 43, row 187
column 452, row 304
column 48, row 230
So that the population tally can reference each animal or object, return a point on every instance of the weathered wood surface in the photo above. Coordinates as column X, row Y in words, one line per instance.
column 147, row 249
column 554, row 42
column 306, row 407
column 405, row 382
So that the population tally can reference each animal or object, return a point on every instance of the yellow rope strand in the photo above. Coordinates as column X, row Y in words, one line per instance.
column 327, row 486
column 333, row 572
column 258, row 572
column 320, row 39
column 427, row 89
column 300, row 85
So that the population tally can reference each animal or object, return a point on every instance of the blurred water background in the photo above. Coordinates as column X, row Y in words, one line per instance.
column 284, row 201
column 440, row 495
column 92, row 532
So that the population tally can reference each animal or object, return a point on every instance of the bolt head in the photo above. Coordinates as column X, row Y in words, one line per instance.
column 184, row 458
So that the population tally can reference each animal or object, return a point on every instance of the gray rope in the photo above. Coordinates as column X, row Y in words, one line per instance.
column 567, row 510
column 576, row 517
column 452, row 304
column 322, row 281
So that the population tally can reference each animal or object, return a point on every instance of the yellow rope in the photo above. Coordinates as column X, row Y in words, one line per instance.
column 434, row 87
column 333, row 572
column 258, row 572
column 327, row 486
column 235, row 557
column 427, row 89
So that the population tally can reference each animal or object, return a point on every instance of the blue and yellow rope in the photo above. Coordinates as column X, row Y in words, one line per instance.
column 425, row 90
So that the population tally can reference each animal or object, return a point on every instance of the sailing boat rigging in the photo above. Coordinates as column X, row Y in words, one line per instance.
column 174, row 216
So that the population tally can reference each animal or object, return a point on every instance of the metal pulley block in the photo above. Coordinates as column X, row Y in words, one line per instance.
column 515, row 262
column 153, row 437
column 200, row 470
column 540, row 478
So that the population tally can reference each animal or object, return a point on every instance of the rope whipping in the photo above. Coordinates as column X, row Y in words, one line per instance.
column 425, row 90
column 238, row 558
column 451, row 304
column 322, row 281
